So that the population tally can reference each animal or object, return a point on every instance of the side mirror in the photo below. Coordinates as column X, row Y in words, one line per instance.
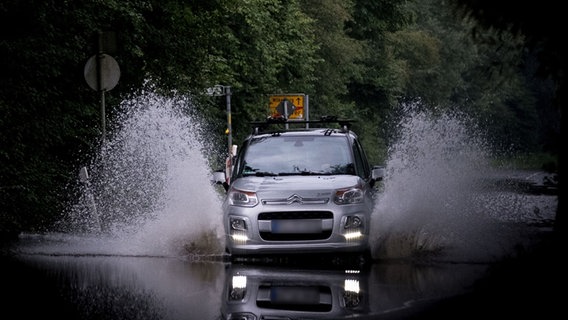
column 218, row 177
column 378, row 173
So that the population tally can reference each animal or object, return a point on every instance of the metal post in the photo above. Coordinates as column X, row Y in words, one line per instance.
column 286, row 115
column 103, row 116
column 100, row 56
column 307, row 110
column 229, row 128
column 227, row 91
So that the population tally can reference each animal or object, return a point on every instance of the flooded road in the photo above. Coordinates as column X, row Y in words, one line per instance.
column 142, row 287
column 71, row 277
column 143, row 240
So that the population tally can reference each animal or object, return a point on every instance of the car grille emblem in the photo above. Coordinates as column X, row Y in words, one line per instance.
column 295, row 198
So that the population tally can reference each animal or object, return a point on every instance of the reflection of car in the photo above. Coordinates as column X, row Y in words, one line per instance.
column 264, row 292
column 305, row 190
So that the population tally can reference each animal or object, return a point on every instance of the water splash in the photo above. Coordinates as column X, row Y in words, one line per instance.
column 436, row 201
column 149, row 190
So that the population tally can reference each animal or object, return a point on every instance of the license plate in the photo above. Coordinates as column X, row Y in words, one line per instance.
column 296, row 226
column 295, row 295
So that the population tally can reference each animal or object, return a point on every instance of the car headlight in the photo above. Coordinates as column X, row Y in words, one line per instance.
column 349, row 195
column 242, row 198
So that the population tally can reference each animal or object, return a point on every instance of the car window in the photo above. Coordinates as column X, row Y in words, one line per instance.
column 361, row 162
column 288, row 155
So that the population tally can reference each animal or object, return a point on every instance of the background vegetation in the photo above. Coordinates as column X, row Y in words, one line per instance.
column 358, row 59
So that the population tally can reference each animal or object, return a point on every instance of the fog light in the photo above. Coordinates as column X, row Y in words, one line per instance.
column 241, row 316
column 353, row 222
column 351, row 285
column 239, row 281
column 353, row 235
column 238, row 224
column 238, row 229
column 239, row 237
column 351, row 295
column 238, row 288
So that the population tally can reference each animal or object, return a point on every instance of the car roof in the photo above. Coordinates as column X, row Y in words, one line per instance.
column 304, row 132
column 267, row 128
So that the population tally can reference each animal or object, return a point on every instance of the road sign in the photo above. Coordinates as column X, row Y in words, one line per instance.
column 109, row 72
column 290, row 104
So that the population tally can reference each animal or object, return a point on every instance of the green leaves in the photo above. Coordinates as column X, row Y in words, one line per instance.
column 356, row 58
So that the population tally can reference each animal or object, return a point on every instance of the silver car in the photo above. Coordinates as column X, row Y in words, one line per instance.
column 300, row 191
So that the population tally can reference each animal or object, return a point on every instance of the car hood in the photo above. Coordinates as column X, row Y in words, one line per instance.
column 305, row 186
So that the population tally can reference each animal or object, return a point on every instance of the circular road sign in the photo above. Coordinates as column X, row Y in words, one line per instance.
column 110, row 72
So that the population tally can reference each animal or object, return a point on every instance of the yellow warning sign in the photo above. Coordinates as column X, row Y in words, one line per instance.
column 290, row 106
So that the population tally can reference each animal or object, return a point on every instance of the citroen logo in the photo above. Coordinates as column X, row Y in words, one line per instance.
column 295, row 198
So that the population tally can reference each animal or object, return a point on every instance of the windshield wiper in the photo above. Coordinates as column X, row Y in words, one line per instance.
column 304, row 173
column 260, row 174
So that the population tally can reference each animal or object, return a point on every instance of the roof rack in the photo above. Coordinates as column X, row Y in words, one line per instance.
column 263, row 125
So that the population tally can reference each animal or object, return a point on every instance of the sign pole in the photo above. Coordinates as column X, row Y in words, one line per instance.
column 307, row 110
column 103, row 116
column 100, row 84
column 286, row 113
column 229, row 125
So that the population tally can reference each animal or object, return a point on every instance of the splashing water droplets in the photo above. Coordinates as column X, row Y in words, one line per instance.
column 150, row 191
column 428, row 206
column 150, row 188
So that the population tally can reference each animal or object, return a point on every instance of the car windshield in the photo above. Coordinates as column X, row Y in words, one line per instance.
column 298, row 155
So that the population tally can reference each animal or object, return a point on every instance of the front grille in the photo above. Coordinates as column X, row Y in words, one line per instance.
column 295, row 236
column 295, row 215
column 298, row 217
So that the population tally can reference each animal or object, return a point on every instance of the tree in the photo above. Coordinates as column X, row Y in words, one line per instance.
column 51, row 120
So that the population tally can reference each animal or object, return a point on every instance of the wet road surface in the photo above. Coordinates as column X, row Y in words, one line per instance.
column 78, row 277
column 144, row 287
column 112, row 287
